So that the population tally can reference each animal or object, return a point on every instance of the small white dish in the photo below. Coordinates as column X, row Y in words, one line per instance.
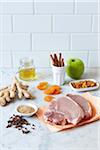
column 84, row 89
column 28, row 114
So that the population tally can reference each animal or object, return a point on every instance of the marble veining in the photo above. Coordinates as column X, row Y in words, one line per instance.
column 83, row 138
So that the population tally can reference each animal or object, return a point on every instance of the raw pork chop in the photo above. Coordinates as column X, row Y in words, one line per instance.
column 55, row 118
column 64, row 109
column 83, row 103
column 72, row 111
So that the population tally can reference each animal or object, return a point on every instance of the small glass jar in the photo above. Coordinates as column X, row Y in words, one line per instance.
column 27, row 70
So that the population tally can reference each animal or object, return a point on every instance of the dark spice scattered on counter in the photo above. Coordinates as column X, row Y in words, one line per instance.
column 33, row 126
column 20, row 123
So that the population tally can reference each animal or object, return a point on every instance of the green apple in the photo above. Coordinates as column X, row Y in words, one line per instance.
column 75, row 68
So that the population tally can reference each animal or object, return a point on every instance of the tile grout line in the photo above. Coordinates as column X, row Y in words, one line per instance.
column 33, row 7
column 64, row 33
column 74, row 7
column 92, row 23
column 31, row 42
column 46, row 51
column 88, row 55
column 49, row 14
column 12, row 23
column 71, row 42
column 12, row 65
column 51, row 24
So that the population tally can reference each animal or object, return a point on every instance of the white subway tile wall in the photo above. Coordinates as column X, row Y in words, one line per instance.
column 54, row 8
column 5, row 23
column 15, row 42
column 94, row 59
column 84, row 41
column 72, row 23
column 16, row 7
column 36, row 28
column 87, row 8
column 5, row 60
column 50, row 41
column 41, row 59
column 96, row 23
column 32, row 23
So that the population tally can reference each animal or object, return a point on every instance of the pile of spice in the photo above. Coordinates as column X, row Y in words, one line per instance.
column 20, row 123
column 25, row 109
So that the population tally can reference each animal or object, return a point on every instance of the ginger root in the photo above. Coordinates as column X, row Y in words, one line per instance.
column 9, row 94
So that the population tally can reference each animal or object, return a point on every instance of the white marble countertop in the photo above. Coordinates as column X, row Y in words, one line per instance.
column 83, row 138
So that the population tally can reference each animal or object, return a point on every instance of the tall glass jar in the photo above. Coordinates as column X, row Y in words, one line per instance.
column 27, row 70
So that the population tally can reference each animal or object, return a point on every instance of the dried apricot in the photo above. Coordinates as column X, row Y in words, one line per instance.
column 55, row 89
column 48, row 98
column 57, row 92
column 42, row 85
column 49, row 90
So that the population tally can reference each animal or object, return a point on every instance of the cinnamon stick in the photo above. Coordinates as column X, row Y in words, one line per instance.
column 60, row 59
column 62, row 62
column 56, row 60
column 53, row 60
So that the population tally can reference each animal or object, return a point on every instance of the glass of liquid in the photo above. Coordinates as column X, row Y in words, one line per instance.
column 27, row 69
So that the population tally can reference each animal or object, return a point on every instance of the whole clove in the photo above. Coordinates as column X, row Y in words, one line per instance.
column 19, row 123
column 33, row 126
column 25, row 131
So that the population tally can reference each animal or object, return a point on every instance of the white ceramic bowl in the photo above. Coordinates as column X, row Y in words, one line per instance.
column 29, row 114
column 84, row 89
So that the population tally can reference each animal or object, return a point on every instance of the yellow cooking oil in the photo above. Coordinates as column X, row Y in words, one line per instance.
column 27, row 74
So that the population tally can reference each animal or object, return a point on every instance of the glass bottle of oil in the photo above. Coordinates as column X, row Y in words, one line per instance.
column 27, row 70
